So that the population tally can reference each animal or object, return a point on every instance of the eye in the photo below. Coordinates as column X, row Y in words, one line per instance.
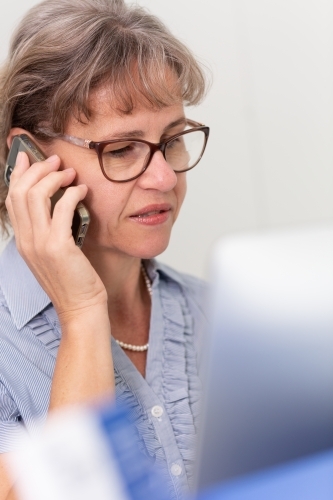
column 175, row 143
column 119, row 150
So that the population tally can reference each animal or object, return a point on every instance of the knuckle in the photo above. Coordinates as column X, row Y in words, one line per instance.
column 33, row 194
column 61, row 207
column 15, row 194
column 36, row 192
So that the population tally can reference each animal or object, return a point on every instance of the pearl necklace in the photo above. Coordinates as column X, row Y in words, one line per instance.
column 131, row 347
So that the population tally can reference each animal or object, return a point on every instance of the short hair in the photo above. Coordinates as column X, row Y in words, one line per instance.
column 64, row 49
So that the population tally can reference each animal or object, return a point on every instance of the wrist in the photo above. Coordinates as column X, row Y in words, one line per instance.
column 85, row 320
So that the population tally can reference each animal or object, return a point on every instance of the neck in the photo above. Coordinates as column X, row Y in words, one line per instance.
column 121, row 275
column 129, row 301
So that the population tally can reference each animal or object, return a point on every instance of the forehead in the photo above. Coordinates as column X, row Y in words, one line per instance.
column 105, row 122
column 132, row 91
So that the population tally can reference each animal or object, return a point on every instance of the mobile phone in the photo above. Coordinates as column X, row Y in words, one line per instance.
column 81, row 217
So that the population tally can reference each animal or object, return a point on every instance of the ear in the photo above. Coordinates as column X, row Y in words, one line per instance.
column 15, row 131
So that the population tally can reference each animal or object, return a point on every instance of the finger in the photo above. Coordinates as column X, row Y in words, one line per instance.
column 32, row 173
column 23, row 179
column 21, row 166
column 22, row 230
column 39, row 198
column 64, row 212
column 10, row 213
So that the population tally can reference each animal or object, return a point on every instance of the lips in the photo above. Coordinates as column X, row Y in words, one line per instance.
column 152, row 214
column 152, row 210
column 148, row 214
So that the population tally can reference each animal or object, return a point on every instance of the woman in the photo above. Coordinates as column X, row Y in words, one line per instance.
column 98, row 70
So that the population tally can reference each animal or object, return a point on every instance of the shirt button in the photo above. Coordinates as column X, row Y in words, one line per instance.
column 176, row 470
column 157, row 411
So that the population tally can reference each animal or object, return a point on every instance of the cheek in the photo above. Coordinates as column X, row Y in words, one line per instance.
column 180, row 191
column 105, row 201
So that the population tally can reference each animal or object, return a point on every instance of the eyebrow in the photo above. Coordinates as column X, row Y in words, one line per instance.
column 139, row 134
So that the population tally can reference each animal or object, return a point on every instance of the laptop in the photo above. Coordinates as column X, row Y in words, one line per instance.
column 269, row 368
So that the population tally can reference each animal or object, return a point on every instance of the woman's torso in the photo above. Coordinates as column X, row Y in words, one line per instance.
column 164, row 405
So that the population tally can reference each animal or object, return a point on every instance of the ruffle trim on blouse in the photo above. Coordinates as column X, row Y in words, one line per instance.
column 146, row 436
column 181, row 383
column 45, row 332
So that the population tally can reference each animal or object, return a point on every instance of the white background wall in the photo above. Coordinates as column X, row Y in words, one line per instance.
column 270, row 157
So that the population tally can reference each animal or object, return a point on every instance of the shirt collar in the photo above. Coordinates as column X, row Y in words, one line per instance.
column 24, row 296
column 156, row 269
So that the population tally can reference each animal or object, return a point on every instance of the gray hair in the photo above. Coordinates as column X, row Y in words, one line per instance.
column 64, row 49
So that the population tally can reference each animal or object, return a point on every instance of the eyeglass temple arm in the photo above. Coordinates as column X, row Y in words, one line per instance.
column 195, row 124
column 84, row 143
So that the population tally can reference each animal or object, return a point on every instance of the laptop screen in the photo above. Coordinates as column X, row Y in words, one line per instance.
column 269, row 369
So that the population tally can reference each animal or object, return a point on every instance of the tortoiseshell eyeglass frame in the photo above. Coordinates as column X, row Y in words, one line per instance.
column 154, row 147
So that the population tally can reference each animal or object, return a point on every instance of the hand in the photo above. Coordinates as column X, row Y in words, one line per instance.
column 46, row 243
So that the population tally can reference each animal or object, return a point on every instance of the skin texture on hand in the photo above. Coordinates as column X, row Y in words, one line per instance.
column 46, row 243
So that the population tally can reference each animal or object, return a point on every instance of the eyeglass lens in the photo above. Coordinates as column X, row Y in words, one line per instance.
column 124, row 160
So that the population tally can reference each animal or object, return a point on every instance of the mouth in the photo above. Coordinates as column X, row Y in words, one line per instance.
column 152, row 214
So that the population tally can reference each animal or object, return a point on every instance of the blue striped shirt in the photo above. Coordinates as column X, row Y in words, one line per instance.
column 164, row 405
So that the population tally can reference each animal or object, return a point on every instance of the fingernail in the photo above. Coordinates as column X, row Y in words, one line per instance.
column 52, row 158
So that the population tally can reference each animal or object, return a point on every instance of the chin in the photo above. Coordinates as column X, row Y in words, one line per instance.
column 149, row 249
column 140, row 244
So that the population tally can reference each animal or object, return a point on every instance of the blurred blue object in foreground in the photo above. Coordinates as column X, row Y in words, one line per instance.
column 142, row 480
column 85, row 453
column 309, row 478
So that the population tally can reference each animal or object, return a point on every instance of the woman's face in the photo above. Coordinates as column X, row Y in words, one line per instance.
column 134, row 218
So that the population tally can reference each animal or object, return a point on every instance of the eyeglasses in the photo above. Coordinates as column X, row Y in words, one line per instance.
column 123, row 160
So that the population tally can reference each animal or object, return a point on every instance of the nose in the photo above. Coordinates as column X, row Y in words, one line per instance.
column 159, row 175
